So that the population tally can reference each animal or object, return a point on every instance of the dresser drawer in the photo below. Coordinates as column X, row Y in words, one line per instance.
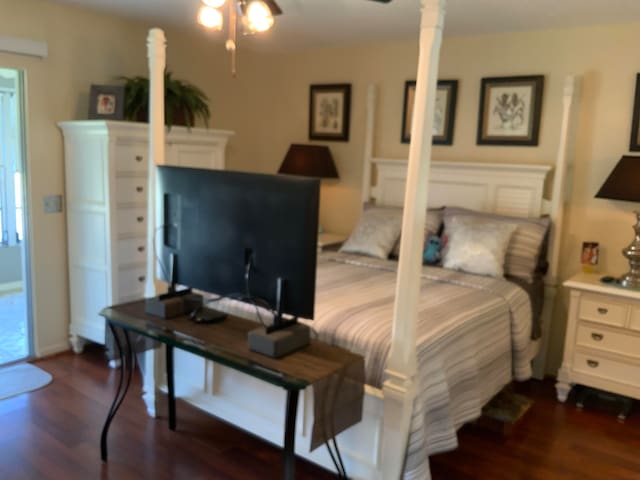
column 608, row 340
column 597, row 366
column 131, row 250
column 131, row 157
column 131, row 283
column 634, row 323
column 600, row 309
column 131, row 190
column 131, row 221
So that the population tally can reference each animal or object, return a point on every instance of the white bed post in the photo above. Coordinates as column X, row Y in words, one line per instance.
column 156, row 54
column 399, row 386
column 555, row 235
column 368, row 144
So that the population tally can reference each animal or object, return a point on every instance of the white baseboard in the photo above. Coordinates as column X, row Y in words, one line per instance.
column 52, row 350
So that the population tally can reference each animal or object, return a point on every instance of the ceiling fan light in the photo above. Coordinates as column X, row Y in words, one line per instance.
column 210, row 18
column 258, row 17
column 214, row 3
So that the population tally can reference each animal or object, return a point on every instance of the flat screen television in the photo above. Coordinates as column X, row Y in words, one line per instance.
column 245, row 235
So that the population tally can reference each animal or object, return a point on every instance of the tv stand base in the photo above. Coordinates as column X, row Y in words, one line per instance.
column 281, row 342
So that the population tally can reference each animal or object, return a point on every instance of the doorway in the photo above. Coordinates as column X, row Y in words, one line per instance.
column 15, row 327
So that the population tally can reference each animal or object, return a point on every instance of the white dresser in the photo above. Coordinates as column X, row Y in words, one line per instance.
column 106, row 203
column 602, row 344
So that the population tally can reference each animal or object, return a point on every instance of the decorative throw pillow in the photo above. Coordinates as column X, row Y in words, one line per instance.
column 376, row 232
column 431, row 227
column 476, row 246
column 525, row 252
column 432, row 250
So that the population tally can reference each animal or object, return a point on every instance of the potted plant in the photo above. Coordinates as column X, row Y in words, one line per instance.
column 183, row 102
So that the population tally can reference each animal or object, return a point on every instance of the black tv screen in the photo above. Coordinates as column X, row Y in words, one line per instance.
column 216, row 222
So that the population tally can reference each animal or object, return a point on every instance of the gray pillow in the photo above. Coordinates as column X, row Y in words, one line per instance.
column 376, row 232
column 526, row 244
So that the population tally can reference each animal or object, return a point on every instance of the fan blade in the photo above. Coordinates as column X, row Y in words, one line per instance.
column 273, row 6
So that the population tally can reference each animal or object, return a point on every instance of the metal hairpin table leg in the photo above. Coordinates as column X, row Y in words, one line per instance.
column 288, row 454
column 171, row 388
column 126, row 372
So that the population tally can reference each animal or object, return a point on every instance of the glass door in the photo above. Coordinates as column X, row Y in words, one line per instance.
column 15, row 331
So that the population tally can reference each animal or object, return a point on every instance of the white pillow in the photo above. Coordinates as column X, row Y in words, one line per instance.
column 477, row 246
column 376, row 232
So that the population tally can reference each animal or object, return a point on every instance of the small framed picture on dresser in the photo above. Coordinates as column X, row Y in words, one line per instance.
column 106, row 102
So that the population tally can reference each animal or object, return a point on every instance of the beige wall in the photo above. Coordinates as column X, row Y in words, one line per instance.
column 275, row 90
column 267, row 106
column 84, row 48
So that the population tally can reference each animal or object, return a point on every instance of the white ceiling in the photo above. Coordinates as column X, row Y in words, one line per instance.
column 315, row 23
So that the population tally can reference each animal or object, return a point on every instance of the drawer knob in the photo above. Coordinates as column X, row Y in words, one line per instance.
column 138, row 158
column 602, row 310
column 141, row 248
column 140, row 219
column 597, row 336
column 593, row 363
column 141, row 278
column 139, row 189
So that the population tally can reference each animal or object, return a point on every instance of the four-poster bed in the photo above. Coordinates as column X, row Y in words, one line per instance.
column 378, row 446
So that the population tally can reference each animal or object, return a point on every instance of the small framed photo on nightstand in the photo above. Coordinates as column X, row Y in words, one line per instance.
column 589, row 256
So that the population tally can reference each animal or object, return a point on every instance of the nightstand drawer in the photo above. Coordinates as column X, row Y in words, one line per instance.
column 598, row 309
column 608, row 340
column 615, row 370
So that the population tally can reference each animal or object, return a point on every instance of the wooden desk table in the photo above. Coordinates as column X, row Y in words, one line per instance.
column 225, row 343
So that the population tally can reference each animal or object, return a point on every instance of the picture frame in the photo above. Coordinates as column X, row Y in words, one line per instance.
column 106, row 102
column 634, row 142
column 510, row 110
column 444, row 111
column 329, row 112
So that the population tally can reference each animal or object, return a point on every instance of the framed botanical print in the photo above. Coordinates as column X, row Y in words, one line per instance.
column 443, row 115
column 329, row 112
column 634, row 143
column 510, row 109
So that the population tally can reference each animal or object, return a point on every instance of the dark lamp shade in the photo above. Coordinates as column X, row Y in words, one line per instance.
column 623, row 183
column 309, row 161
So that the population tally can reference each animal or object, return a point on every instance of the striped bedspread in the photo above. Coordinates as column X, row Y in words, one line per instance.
column 473, row 335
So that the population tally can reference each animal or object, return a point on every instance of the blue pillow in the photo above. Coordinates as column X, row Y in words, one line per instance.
column 432, row 250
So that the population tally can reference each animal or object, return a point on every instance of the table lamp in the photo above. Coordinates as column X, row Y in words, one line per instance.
column 623, row 183
column 309, row 161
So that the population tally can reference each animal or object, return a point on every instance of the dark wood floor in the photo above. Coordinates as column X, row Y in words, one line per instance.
column 53, row 433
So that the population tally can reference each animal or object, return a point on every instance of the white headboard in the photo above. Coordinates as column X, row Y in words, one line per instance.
column 505, row 189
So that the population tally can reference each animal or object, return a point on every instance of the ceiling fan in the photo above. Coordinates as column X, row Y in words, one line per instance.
column 276, row 10
column 254, row 16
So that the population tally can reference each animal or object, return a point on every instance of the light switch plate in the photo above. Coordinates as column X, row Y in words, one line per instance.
column 52, row 203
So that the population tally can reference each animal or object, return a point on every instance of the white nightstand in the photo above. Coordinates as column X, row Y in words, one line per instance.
column 330, row 241
column 602, row 344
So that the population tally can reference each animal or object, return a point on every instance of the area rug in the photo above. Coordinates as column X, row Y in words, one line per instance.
column 21, row 378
